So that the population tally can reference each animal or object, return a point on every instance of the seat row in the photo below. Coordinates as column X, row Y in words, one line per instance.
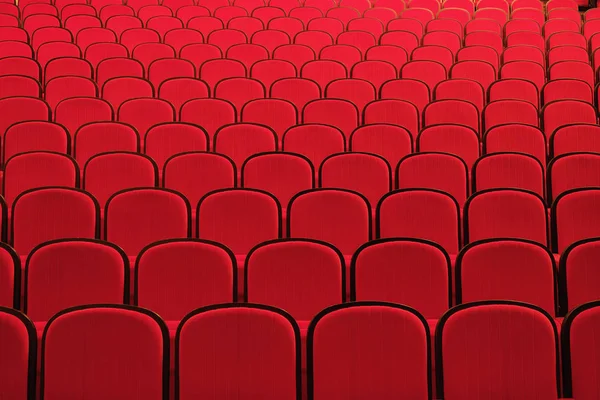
column 243, row 351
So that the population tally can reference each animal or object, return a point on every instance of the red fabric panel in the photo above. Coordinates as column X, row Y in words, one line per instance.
column 496, row 171
column 15, row 356
column 584, row 332
column 577, row 217
column 581, row 274
column 103, row 137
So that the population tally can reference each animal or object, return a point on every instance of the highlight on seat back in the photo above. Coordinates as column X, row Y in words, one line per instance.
column 228, row 351
column 17, row 85
column 65, row 273
column 40, row 215
column 75, row 112
column 134, row 218
column 488, row 270
column 441, row 171
column 301, row 276
column 420, row 213
column 517, row 138
column 386, row 270
column 391, row 142
column 19, row 355
column 384, row 347
column 573, row 171
column 108, row 173
column 579, row 333
column 509, row 170
column 92, row 344
column 481, row 346
column 461, row 89
column 176, row 276
column 578, row 277
column 239, row 218
column 506, row 213
column 564, row 112
column 281, row 174
column 10, row 277
column 336, row 216
column 28, row 136
column 574, row 138
column 101, row 137
column 364, row 173
column 509, row 111
column 19, row 109
column 38, row 169
column 451, row 112
column 575, row 216
column 514, row 88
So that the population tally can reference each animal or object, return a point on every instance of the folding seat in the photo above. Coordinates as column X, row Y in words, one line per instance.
column 343, row 356
column 392, row 111
column 437, row 221
column 29, row 136
column 514, row 89
column 369, row 25
column 526, row 70
column 13, row 48
column 519, row 138
column 265, row 329
column 249, row 5
column 567, row 53
column 239, row 91
column 565, row 13
column 178, row 91
column 138, row 5
column 44, row 214
column 574, row 138
column 429, row 72
column 285, row 5
column 150, row 11
column 277, row 114
column 526, row 4
column 571, row 112
column 227, row 13
column 52, row 50
column 120, row 67
column 530, row 13
column 316, row 40
column 449, row 40
column 314, row 141
column 345, row 54
column 572, row 171
column 506, row 213
column 19, row 85
column 481, row 72
column 248, row 25
column 147, row 53
column 440, row 54
column 590, row 28
column 461, row 89
column 445, row 25
column 66, row 87
column 482, row 25
column 577, row 279
column 269, row 71
column 19, row 360
column 67, row 66
column 297, row 91
column 271, row 39
column 181, row 287
column 359, row 39
column 37, row 21
column 357, row 91
column 210, row 114
column 502, row 112
column 199, row 53
column 407, row 40
column 388, row 141
column 116, row 9
column 574, row 217
column 282, row 174
column 36, row 8
column 289, row 25
column 407, row 25
column 423, row 15
column 20, row 109
column 323, row 72
column 186, row 13
column 559, row 25
column 457, row 14
column 573, row 70
column 296, row 54
column 37, row 169
column 20, row 66
column 522, row 24
column 213, row 71
column 526, row 38
column 497, row 14
column 57, row 266
column 451, row 112
column 339, row 113
column 100, row 137
column 494, row 332
column 175, row 5
column 394, row 55
column 205, row 25
column 306, row 13
column 164, row 24
column 479, row 53
column 75, row 112
column 268, row 13
column 180, row 37
column 165, row 69
column 461, row 4
column 9, row 20
column 594, row 42
column 567, row 39
column 212, row 5
column 459, row 140
column 89, row 36
column 375, row 72
column 128, row 223
column 343, row 14
column 563, row 4
column 509, row 170
column 560, row 89
column 77, row 23
column 485, row 38
column 144, row 342
column 336, row 216
column 132, row 38
column 439, row 171
column 9, row 33
column 143, row 113
column 120, row 23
